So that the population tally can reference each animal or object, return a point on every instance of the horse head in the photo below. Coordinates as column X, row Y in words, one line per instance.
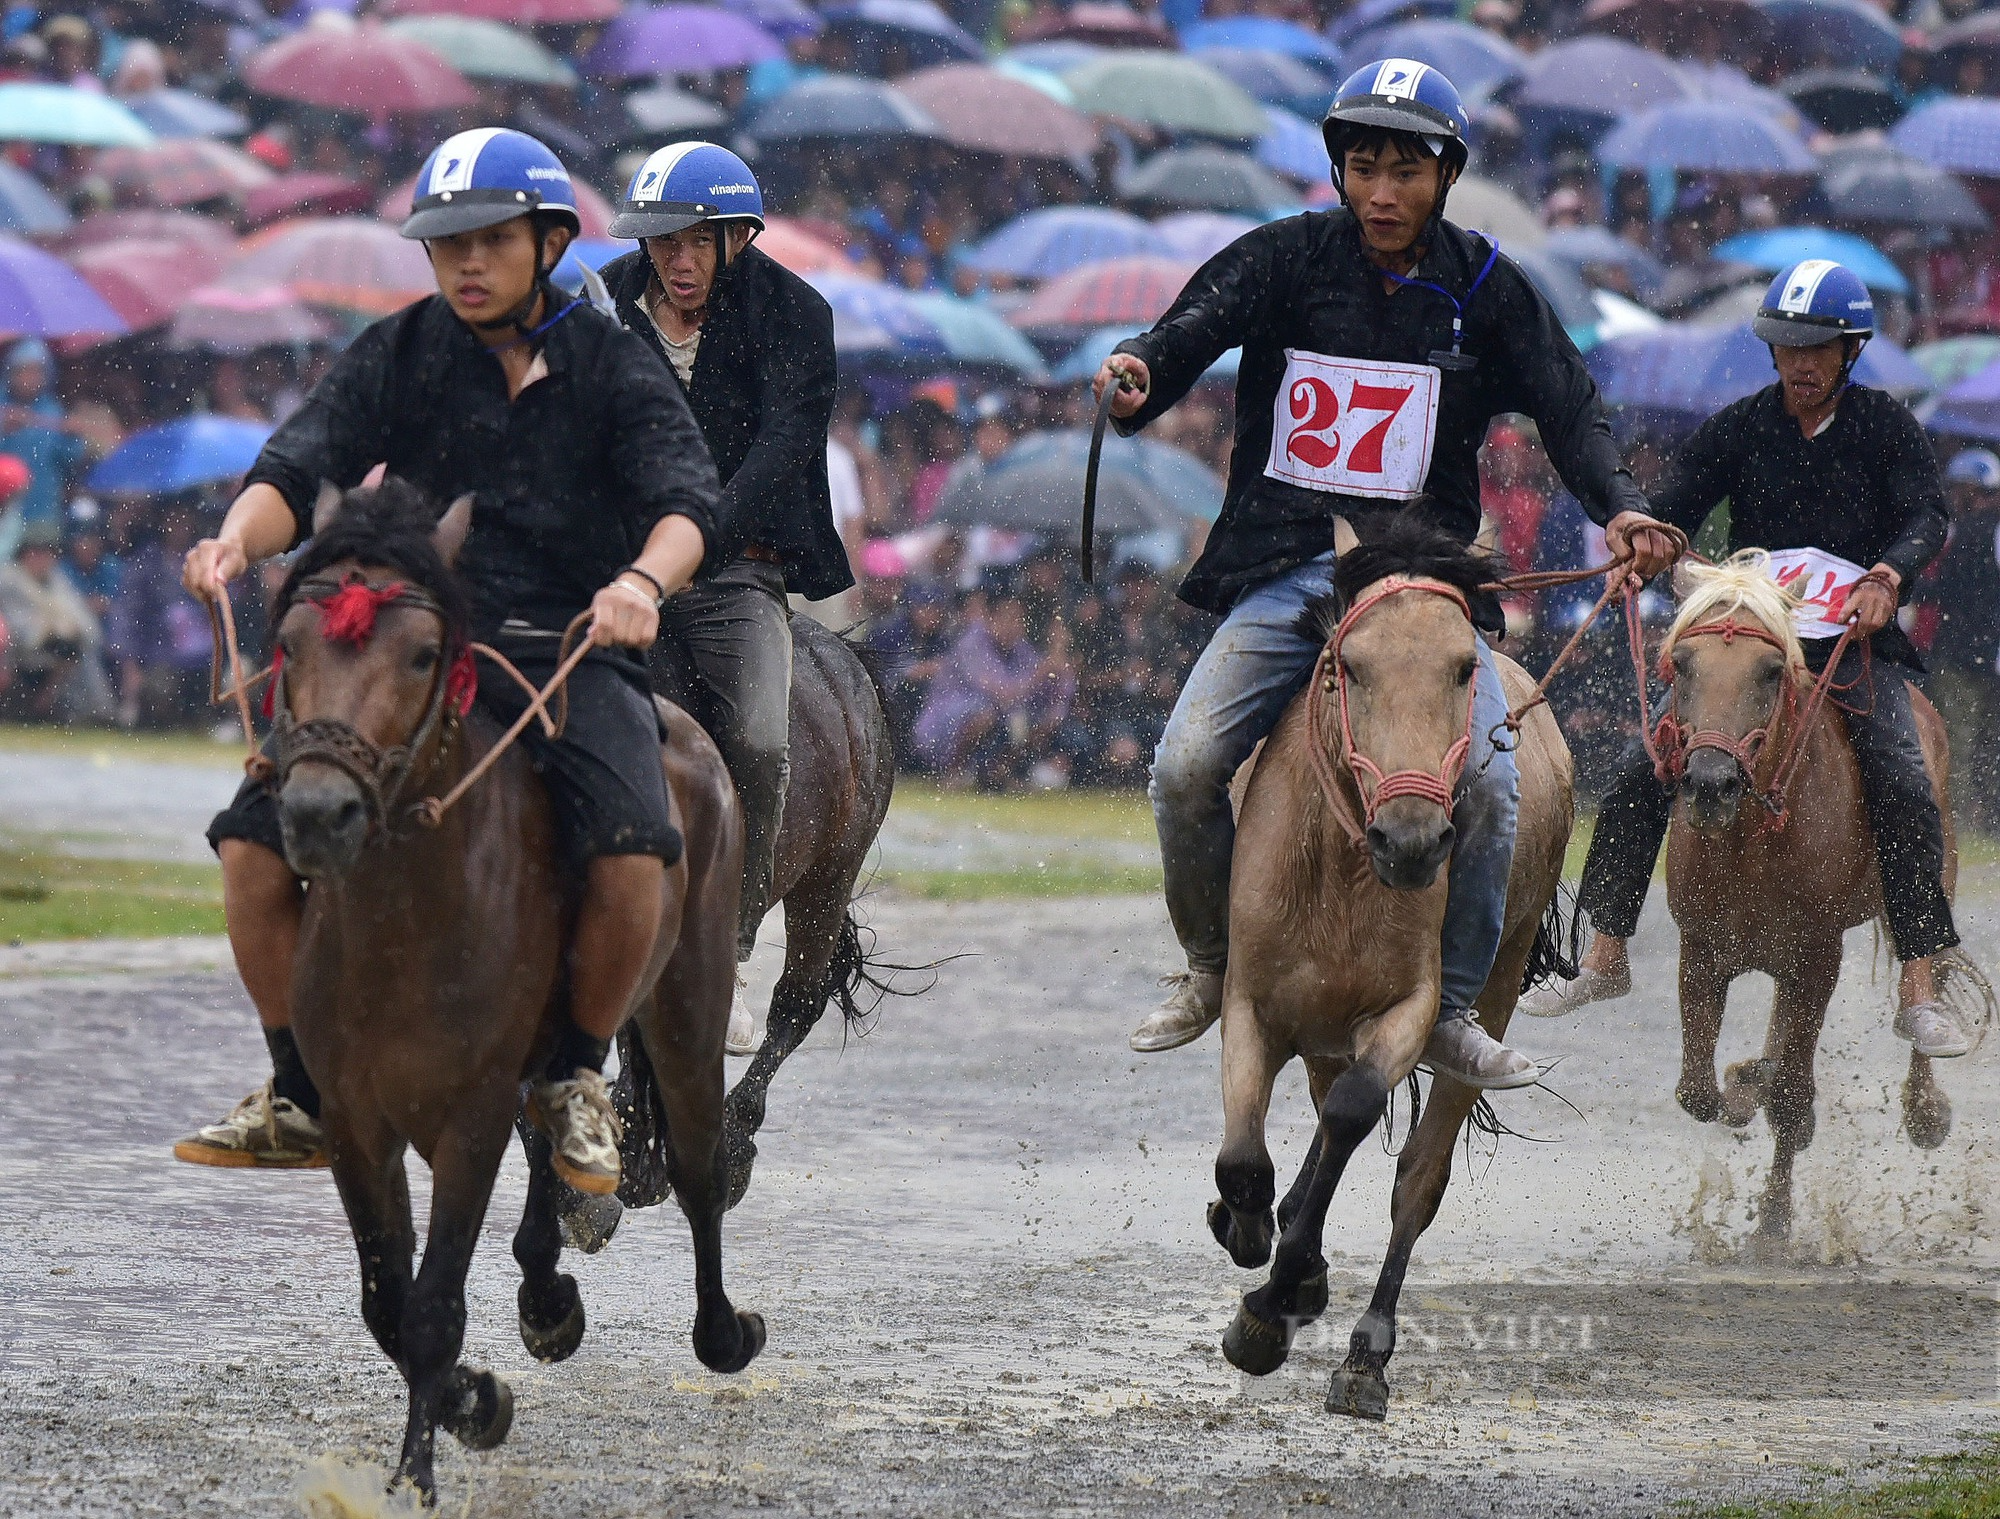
column 370, row 633
column 1734, row 661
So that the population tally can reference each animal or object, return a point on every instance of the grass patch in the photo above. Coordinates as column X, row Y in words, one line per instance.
column 1110, row 815
column 1961, row 1486
column 101, row 745
column 54, row 896
column 1025, row 881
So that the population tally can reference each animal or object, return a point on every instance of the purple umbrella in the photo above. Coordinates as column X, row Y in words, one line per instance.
column 43, row 296
column 1708, row 137
column 781, row 18
column 654, row 40
column 1960, row 135
column 1604, row 77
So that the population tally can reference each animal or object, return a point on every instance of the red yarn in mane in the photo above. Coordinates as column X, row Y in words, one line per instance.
column 348, row 615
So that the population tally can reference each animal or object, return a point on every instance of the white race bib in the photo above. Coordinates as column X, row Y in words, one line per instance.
column 1356, row 426
column 1824, row 581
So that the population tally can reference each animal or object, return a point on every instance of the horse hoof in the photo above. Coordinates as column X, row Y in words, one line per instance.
column 589, row 1222
column 1769, row 1245
column 1247, row 1253
column 1253, row 1345
column 750, row 1340
column 1928, row 1119
column 1744, row 1088
column 1360, row 1394
column 553, row 1336
column 480, row 1409
column 1702, row 1104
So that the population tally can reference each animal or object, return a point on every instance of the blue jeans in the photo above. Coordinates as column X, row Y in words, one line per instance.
column 1239, row 688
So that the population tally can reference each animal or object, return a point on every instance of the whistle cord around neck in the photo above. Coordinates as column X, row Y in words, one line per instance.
column 1457, row 306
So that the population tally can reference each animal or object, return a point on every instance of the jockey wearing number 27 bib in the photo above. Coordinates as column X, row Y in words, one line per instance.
column 1834, row 479
column 1379, row 340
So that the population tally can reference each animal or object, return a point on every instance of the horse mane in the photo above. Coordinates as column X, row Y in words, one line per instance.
column 389, row 524
column 1408, row 542
column 1742, row 583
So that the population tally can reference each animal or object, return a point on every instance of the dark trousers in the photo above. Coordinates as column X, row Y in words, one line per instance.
column 725, row 654
column 1895, row 791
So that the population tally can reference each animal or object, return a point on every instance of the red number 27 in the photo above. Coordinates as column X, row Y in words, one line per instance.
column 1315, row 408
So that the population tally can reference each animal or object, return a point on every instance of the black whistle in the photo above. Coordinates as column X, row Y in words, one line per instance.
column 1463, row 363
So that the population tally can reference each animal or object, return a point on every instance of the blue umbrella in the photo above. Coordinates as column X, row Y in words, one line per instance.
column 1147, row 484
column 25, row 207
column 1470, row 58
column 784, row 19
column 1272, row 78
column 1781, row 247
column 978, row 335
column 1370, row 14
column 180, row 455
column 182, row 113
column 1039, row 245
column 1293, row 146
column 916, row 29
column 1726, row 84
column 42, row 296
column 1686, row 372
column 1708, row 137
column 1083, row 361
column 1971, row 408
column 78, row 118
column 1587, row 247
column 1833, row 34
column 1564, row 290
column 1264, row 34
column 1200, row 235
column 921, row 332
column 591, row 252
column 1962, row 135
column 1600, row 79
column 1056, row 56
column 839, row 105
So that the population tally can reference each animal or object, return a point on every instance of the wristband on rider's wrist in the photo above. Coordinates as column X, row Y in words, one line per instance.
column 659, row 596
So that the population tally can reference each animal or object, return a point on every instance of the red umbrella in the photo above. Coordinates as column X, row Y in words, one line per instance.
column 363, row 69
column 148, row 226
column 238, row 321
column 182, row 171
column 305, row 194
column 145, row 282
column 348, row 262
column 592, row 209
column 514, row 12
column 981, row 109
column 1132, row 291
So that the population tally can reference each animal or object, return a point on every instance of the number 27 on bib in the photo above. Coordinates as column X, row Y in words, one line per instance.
column 1355, row 426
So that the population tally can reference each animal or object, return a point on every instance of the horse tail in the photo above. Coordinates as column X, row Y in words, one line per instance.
column 1558, row 941
column 858, row 979
column 645, row 1148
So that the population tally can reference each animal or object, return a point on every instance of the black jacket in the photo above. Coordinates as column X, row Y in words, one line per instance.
column 568, row 479
column 1868, row 488
column 1305, row 283
column 763, row 393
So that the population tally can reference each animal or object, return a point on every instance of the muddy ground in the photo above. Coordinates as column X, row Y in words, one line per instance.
column 977, row 1237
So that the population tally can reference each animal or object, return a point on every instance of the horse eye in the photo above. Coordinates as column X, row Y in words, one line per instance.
column 425, row 660
column 1465, row 671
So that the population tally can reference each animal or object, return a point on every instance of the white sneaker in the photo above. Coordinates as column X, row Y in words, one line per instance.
column 583, row 1128
column 1932, row 1031
column 261, row 1130
column 1194, row 1001
column 1461, row 1049
column 1561, row 998
column 742, row 1038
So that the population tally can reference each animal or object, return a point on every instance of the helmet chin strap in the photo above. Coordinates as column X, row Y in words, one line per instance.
column 517, row 318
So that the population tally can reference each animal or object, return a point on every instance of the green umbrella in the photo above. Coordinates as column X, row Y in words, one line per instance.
column 481, row 49
column 1956, row 359
column 1170, row 91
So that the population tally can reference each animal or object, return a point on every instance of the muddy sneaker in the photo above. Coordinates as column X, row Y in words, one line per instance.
column 1461, row 1049
column 1560, row 998
column 742, row 1036
column 261, row 1130
column 1932, row 1031
column 582, row 1127
column 1194, row 1001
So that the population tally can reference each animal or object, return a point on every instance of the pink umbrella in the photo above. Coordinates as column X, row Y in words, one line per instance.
column 148, row 226
column 365, row 69
column 514, row 12
column 303, row 194
column 228, row 320
column 798, row 250
column 348, row 262
column 1133, row 291
column 145, row 281
column 983, row 110
column 592, row 209
column 182, row 171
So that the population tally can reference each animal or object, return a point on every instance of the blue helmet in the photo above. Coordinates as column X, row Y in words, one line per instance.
column 484, row 177
column 1403, row 96
column 1814, row 301
column 688, row 183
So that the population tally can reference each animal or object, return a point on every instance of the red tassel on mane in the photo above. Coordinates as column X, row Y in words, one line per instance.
column 271, row 685
column 462, row 684
column 348, row 615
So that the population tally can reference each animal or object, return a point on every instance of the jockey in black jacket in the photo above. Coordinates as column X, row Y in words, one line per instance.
column 592, row 492
column 1814, row 464
column 752, row 346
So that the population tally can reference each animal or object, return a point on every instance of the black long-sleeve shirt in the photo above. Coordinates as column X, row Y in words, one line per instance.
column 1868, row 488
column 568, row 479
column 1305, row 283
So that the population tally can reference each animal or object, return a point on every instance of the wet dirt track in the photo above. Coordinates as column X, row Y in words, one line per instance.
column 977, row 1237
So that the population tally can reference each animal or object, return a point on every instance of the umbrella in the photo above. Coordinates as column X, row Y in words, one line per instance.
column 1263, row 34
column 1036, row 486
column 1564, row 290
column 982, row 110
column 1705, row 136
column 1168, row 91
column 906, row 33
column 180, row 455
column 1882, row 186
column 1781, row 247
column 1370, row 14
column 1057, row 58
column 799, row 250
column 1726, row 84
column 1272, row 78
column 650, row 40
column 184, row 171
column 1038, row 245
column 1618, row 317
column 592, row 253
column 784, row 19
column 1971, row 408
column 1293, row 147
column 664, row 111
column 1954, row 359
column 513, row 12
column 182, row 113
column 1471, row 58
column 1976, row 35
column 150, row 226
column 1483, row 206
column 1962, row 135
column 923, row 332
column 364, row 69
column 301, row 194
column 592, row 209
column 145, row 282
column 1597, row 78
column 840, row 105
column 1692, row 371
column 1136, row 290
column 1667, row 26
column 1201, row 234
column 347, row 262
column 25, row 206
column 76, row 118
column 1106, row 25
column 1844, row 100
column 1587, row 248
column 1205, row 179
column 1083, row 361
column 482, row 49
column 223, row 320
column 41, row 296
column 1849, row 34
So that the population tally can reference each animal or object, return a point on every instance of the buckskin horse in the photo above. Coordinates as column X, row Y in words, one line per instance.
column 429, row 972
column 1334, row 931
column 1774, row 887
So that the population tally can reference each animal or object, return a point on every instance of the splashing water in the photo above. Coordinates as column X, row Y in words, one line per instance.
column 340, row 1487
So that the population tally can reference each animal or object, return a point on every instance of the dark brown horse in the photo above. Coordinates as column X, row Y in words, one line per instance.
column 429, row 975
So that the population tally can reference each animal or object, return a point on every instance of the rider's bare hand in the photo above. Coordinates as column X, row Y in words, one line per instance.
column 623, row 615
column 1872, row 606
column 1136, row 378
column 210, row 565
column 1644, row 540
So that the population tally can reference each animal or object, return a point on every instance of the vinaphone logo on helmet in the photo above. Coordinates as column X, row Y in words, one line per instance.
column 1804, row 285
column 1399, row 78
column 457, row 159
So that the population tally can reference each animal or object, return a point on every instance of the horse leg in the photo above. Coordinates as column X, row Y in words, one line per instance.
column 1240, row 1217
column 1926, row 1109
column 1798, row 1012
column 551, row 1309
column 1320, row 1074
column 1704, row 991
column 375, row 1192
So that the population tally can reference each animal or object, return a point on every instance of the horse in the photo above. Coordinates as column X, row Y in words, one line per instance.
column 1334, row 930
column 1754, row 891
column 429, row 977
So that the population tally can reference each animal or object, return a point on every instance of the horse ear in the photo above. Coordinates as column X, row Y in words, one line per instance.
column 326, row 507
column 1682, row 581
column 449, row 535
